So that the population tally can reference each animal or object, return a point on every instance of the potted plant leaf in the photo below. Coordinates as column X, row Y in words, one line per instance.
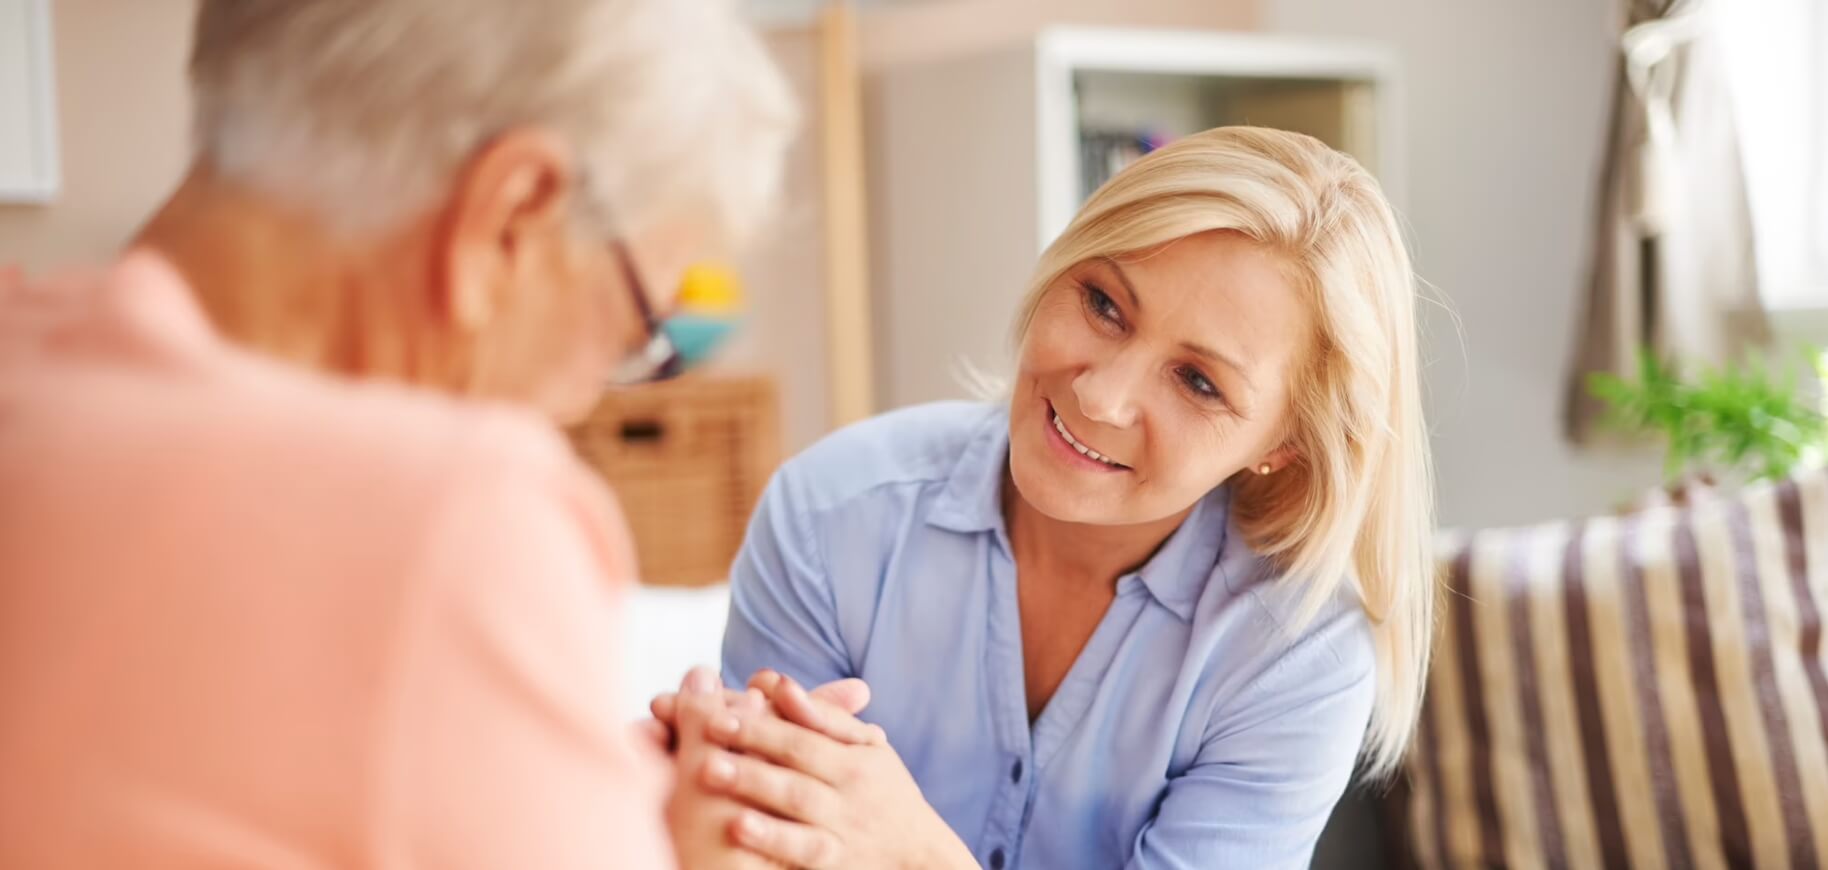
column 1737, row 423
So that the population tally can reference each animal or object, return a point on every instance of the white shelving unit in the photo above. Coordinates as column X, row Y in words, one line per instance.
column 975, row 163
column 28, row 112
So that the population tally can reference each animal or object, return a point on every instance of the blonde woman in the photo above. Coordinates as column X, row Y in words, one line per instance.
column 1150, row 611
column 294, row 569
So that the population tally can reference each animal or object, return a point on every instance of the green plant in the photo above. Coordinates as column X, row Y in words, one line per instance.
column 1736, row 420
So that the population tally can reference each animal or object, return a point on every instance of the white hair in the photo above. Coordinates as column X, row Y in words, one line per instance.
column 362, row 111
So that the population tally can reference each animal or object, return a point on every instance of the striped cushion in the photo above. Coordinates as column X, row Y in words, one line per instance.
column 1647, row 691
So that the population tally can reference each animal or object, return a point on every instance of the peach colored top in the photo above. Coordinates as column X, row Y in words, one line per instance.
column 254, row 616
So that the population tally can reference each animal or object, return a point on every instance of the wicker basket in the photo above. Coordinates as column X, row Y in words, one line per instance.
column 688, row 460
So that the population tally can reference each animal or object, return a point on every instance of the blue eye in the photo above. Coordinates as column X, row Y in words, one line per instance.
column 1199, row 383
column 1101, row 305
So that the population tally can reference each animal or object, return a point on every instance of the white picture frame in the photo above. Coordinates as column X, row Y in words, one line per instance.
column 29, row 167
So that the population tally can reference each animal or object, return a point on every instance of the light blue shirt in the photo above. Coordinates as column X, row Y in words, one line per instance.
column 1195, row 730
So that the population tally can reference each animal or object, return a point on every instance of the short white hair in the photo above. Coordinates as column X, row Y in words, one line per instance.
column 362, row 111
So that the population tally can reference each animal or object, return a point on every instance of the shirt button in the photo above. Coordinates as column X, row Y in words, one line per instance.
column 1015, row 773
column 996, row 860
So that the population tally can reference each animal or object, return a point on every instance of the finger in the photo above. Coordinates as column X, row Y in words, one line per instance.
column 791, row 843
column 779, row 741
column 700, row 681
column 665, row 707
column 831, row 711
column 694, row 713
column 789, row 794
column 655, row 733
column 764, row 680
column 795, row 705
column 850, row 695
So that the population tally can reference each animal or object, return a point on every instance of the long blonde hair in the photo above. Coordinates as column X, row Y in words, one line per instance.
column 1357, row 506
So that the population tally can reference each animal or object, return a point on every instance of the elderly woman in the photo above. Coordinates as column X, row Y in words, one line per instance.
column 294, row 570
column 1151, row 609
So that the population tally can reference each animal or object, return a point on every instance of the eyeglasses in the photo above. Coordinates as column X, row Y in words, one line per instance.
column 659, row 358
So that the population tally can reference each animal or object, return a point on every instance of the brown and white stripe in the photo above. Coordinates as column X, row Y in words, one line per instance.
column 1649, row 691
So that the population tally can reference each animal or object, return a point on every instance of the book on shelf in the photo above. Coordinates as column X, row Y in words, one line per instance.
column 1104, row 153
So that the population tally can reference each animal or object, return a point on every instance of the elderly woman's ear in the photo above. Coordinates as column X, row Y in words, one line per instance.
column 507, row 224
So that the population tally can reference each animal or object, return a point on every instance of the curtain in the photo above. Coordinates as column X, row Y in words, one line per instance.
column 1673, row 265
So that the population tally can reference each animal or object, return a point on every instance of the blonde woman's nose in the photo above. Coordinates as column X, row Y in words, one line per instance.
column 1107, row 394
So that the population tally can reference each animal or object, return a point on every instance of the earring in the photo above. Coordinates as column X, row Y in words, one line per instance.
column 1264, row 469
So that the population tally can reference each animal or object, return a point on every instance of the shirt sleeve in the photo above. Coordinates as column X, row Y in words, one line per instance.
column 1269, row 770
column 502, row 743
column 782, row 611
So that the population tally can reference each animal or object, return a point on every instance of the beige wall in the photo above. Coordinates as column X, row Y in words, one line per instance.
column 923, row 31
column 122, row 112
column 784, row 274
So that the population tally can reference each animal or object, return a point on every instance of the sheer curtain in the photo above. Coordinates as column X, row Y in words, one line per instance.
column 1674, row 264
column 1777, row 72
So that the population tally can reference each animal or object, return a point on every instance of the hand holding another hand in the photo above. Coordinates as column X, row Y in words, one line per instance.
column 824, row 789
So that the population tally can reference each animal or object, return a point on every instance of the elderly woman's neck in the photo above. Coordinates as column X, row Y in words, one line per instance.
column 276, row 281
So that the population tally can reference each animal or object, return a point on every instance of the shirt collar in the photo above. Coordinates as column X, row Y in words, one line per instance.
column 141, row 307
column 972, row 502
column 1180, row 570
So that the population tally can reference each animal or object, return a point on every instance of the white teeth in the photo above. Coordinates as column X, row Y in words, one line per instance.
column 1074, row 443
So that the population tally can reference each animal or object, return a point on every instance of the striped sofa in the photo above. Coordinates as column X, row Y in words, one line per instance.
column 1643, row 691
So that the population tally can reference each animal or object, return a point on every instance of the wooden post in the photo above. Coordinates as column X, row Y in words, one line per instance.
column 846, row 232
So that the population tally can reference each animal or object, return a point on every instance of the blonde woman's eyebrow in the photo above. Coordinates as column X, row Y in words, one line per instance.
column 1200, row 350
column 1124, row 279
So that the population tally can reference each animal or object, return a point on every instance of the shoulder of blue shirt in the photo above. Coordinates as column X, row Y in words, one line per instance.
column 920, row 444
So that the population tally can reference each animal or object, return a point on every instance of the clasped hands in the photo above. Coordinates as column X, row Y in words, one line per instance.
column 775, row 775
